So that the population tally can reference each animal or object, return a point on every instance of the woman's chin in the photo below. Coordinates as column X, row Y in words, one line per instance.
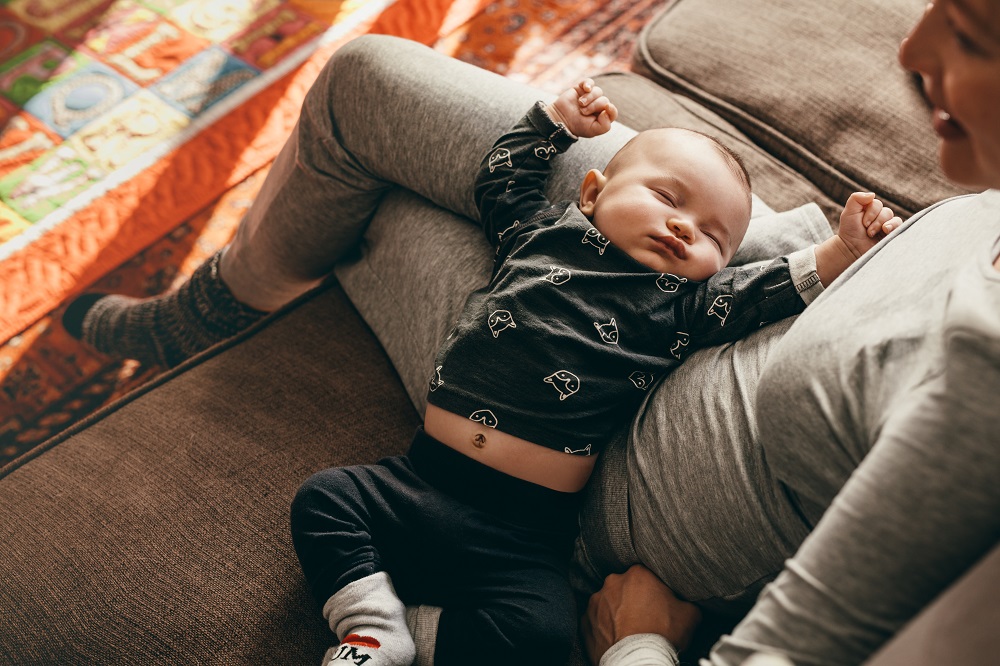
column 961, row 167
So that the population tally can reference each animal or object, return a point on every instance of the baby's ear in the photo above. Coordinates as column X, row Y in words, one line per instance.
column 592, row 185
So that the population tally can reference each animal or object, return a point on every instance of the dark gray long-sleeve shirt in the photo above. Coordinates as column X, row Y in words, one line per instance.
column 562, row 345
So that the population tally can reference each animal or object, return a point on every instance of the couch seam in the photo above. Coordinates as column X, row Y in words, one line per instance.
column 742, row 120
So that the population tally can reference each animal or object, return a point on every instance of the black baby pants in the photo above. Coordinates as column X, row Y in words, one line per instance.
column 489, row 549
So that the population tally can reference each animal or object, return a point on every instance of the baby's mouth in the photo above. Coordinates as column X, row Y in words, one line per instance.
column 672, row 245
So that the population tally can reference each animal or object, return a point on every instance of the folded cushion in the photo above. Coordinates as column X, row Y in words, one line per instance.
column 850, row 119
column 643, row 105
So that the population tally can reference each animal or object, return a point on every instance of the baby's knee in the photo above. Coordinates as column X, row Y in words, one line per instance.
column 320, row 495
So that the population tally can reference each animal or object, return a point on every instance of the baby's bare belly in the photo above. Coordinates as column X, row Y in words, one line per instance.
column 509, row 454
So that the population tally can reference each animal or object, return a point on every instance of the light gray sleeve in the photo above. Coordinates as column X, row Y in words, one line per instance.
column 802, row 267
column 641, row 650
column 921, row 508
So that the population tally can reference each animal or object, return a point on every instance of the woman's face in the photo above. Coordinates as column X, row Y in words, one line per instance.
column 956, row 49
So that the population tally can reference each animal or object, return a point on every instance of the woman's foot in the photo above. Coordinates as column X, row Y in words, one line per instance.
column 165, row 330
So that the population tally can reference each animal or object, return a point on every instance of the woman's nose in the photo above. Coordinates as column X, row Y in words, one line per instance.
column 915, row 48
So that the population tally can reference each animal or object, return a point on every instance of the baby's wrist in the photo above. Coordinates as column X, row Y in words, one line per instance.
column 846, row 249
column 554, row 115
column 833, row 256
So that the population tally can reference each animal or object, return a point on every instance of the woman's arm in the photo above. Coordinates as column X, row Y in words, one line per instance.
column 918, row 512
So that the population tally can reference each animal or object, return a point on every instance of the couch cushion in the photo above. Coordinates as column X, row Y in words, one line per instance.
column 643, row 104
column 815, row 83
column 157, row 532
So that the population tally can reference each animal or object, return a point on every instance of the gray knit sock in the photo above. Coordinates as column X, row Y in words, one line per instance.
column 422, row 621
column 167, row 329
column 370, row 621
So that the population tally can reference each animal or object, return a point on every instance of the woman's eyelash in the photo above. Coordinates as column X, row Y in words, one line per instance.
column 967, row 44
column 962, row 39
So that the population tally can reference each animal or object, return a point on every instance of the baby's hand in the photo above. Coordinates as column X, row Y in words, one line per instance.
column 584, row 110
column 865, row 221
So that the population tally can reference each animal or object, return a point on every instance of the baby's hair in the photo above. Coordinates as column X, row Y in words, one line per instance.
column 732, row 158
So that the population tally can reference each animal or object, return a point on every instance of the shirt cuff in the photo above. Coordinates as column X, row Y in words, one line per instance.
column 802, row 267
column 556, row 133
column 641, row 650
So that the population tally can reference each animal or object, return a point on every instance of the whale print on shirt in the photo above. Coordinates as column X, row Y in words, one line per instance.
column 436, row 380
column 682, row 341
column 642, row 380
column 557, row 275
column 545, row 151
column 485, row 417
column 500, row 320
column 608, row 332
column 565, row 382
column 595, row 238
column 503, row 233
column 669, row 283
column 722, row 307
column 501, row 157
column 585, row 451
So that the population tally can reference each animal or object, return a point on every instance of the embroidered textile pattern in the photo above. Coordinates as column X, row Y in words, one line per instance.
column 111, row 142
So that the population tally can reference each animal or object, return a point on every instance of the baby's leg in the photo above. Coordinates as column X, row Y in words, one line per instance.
column 494, row 593
column 516, row 615
column 383, row 112
column 335, row 517
column 492, row 553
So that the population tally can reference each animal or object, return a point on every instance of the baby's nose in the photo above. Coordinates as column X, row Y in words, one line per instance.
column 680, row 226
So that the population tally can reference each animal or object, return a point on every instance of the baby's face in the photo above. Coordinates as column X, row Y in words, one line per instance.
column 671, row 202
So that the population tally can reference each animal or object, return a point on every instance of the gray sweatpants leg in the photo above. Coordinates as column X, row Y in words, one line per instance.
column 384, row 112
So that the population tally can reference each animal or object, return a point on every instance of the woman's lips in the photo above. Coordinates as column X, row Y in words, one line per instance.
column 945, row 127
column 672, row 245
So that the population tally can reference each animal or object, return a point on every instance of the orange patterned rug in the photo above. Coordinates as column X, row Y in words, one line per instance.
column 129, row 189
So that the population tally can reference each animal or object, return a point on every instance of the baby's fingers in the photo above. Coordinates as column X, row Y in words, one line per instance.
column 607, row 117
column 872, row 211
column 595, row 107
column 592, row 94
column 885, row 218
column 892, row 224
column 857, row 202
column 612, row 113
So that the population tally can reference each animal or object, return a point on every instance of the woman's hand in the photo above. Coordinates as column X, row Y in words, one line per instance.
column 636, row 602
column 584, row 110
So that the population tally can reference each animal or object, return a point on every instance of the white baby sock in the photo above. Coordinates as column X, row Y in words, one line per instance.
column 370, row 621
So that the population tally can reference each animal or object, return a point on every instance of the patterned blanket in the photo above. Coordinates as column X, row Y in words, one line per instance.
column 134, row 133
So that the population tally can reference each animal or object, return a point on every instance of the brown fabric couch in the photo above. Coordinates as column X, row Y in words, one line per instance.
column 157, row 531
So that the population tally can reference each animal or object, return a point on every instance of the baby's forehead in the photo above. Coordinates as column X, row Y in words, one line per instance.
column 672, row 145
column 670, row 135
